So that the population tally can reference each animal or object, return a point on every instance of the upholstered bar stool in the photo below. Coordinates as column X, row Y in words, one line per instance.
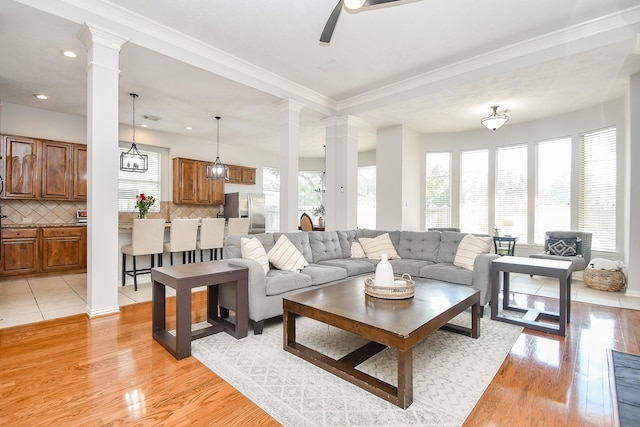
column 211, row 237
column 238, row 227
column 182, row 238
column 147, row 238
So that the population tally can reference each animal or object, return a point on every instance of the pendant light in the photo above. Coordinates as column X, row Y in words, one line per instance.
column 217, row 169
column 133, row 160
column 322, row 187
column 494, row 121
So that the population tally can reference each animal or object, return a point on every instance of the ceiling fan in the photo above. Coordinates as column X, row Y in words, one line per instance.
column 325, row 37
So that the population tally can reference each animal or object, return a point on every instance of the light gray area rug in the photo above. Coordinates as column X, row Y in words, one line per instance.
column 451, row 372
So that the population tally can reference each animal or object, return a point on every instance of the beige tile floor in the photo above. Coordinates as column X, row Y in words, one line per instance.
column 32, row 300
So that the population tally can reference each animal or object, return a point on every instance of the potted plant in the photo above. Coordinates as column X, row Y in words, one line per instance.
column 319, row 212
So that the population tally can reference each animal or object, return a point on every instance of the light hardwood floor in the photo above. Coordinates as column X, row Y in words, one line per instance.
column 108, row 371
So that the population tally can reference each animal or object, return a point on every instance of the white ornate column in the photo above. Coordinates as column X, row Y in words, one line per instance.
column 103, row 49
column 631, row 239
column 341, row 197
column 289, row 121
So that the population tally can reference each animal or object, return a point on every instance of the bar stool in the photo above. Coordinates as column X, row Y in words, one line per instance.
column 147, row 238
column 211, row 237
column 182, row 238
column 238, row 227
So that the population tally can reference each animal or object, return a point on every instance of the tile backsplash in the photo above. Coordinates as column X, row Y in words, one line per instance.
column 64, row 212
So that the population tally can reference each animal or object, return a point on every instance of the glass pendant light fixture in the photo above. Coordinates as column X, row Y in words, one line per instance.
column 133, row 160
column 322, row 186
column 217, row 169
column 494, row 121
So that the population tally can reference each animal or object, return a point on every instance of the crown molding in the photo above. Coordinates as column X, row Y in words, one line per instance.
column 612, row 27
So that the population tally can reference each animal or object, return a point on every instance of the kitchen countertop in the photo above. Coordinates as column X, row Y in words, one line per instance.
column 40, row 225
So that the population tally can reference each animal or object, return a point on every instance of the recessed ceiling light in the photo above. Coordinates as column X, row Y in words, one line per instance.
column 69, row 53
column 41, row 96
column 144, row 125
column 188, row 127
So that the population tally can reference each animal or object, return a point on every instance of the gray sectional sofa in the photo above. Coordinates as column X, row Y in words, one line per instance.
column 428, row 255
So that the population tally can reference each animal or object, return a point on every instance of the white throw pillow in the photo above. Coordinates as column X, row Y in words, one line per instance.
column 374, row 248
column 357, row 251
column 253, row 249
column 285, row 256
column 469, row 248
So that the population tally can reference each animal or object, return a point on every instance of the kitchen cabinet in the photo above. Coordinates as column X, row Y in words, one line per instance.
column 191, row 186
column 242, row 175
column 19, row 251
column 20, row 168
column 44, row 170
column 40, row 250
column 64, row 248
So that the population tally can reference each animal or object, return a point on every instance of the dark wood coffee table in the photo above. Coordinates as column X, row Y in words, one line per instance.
column 400, row 324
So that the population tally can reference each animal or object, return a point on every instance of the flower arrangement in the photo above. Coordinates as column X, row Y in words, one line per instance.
column 143, row 203
column 318, row 211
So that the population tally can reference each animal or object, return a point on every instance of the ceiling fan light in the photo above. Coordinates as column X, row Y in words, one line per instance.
column 495, row 120
column 354, row 4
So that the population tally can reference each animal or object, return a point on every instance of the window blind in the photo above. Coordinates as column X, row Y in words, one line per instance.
column 130, row 184
column 366, row 216
column 597, row 213
column 553, row 187
column 438, row 190
column 511, row 190
column 271, row 189
column 474, row 191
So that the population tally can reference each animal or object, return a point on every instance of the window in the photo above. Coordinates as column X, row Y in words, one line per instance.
column 511, row 190
column 598, row 188
column 474, row 191
column 130, row 184
column 438, row 190
column 271, row 189
column 308, row 197
column 553, row 187
column 366, row 197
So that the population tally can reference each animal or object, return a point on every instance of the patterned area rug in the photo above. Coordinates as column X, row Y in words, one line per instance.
column 450, row 374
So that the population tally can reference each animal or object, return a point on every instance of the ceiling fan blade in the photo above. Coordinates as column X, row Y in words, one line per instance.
column 375, row 2
column 325, row 37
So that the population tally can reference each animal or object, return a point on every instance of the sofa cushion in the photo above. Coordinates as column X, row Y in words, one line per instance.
column 370, row 234
column 447, row 273
column 419, row 245
column 469, row 248
column 357, row 251
column 233, row 248
column 409, row 266
column 375, row 247
column 449, row 241
column 321, row 274
column 353, row 266
column 280, row 281
column 568, row 246
column 324, row 245
column 253, row 249
column 346, row 239
column 300, row 240
column 285, row 256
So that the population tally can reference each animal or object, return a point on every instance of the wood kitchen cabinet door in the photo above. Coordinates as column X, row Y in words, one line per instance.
column 184, row 180
column 79, row 172
column 235, row 174
column 204, row 187
column 21, row 168
column 63, row 248
column 19, row 251
column 56, row 170
column 248, row 176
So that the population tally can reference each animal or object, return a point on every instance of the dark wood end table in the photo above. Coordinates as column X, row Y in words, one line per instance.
column 400, row 324
column 509, row 249
column 183, row 278
column 538, row 267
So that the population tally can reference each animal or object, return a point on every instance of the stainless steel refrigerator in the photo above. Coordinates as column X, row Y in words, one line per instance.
column 246, row 205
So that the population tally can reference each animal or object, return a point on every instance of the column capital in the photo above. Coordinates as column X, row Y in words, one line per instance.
column 342, row 120
column 91, row 33
column 289, row 105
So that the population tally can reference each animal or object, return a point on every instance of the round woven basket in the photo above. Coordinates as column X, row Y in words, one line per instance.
column 604, row 280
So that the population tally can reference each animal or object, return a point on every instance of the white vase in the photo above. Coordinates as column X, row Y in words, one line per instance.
column 384, row 272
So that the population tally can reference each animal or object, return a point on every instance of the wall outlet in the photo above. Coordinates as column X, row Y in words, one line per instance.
column 26, row 220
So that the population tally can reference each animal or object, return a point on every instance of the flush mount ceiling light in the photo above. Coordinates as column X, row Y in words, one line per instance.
column 217, row 169
column 41, row 96
column 494, row 121
column 133, row 160
column 354, row 4
column 69, row 53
